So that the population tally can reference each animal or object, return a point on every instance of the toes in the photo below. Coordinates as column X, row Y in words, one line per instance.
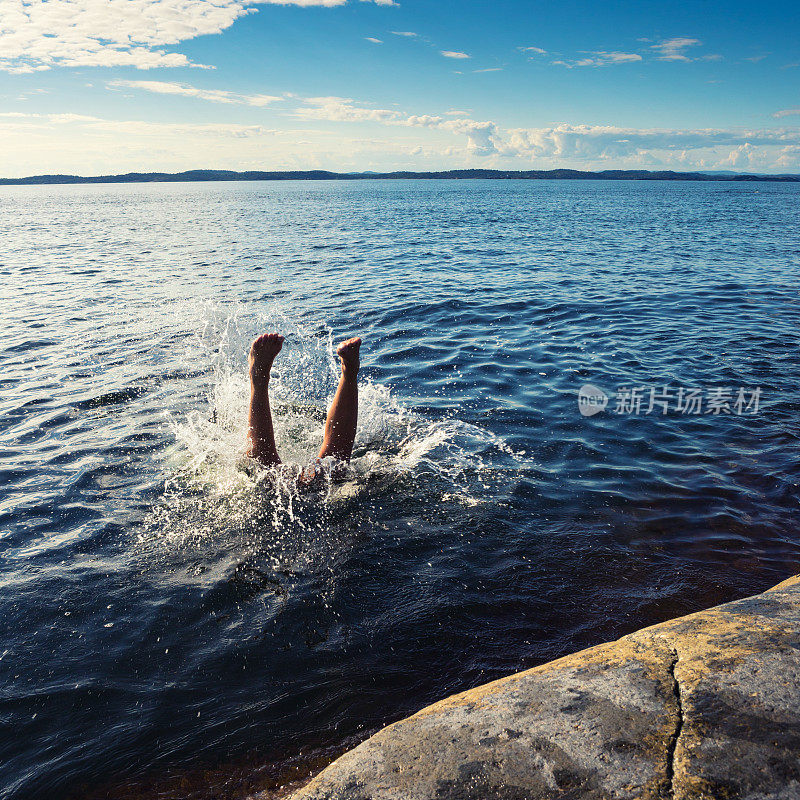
column 268, row 341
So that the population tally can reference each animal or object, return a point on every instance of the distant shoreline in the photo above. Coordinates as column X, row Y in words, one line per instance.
column 455, row 174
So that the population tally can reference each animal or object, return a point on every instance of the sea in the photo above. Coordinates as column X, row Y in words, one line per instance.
column 579, row 415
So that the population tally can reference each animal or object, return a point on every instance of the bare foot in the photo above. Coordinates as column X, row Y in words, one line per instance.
column 348, row 352
column 262, row 354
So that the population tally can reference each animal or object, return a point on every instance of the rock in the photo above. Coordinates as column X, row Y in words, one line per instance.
column 701, row 707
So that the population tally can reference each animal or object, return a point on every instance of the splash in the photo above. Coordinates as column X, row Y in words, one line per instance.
column 211, row 490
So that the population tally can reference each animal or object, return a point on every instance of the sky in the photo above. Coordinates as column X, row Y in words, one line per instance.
column 108, row 86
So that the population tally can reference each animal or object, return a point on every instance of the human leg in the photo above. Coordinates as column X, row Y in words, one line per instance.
column 260, row 433
column 340, row 426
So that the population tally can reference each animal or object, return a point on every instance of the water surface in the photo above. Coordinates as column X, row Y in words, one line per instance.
column 170, row 627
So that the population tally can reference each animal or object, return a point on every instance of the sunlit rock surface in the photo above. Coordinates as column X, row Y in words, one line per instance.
column 704, row 706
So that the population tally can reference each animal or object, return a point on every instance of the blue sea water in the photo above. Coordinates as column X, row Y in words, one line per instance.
column 169, row 627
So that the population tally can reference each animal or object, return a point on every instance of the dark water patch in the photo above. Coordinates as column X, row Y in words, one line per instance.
column 111, row 398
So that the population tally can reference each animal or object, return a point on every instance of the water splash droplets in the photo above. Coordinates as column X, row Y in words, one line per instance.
column 212, row 491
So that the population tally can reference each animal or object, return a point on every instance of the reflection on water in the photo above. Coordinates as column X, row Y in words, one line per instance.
column 173, row 618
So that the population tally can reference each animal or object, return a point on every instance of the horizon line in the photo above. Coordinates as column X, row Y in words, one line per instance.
column 474, row 173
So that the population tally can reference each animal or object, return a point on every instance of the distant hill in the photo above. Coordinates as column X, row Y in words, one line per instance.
column 455, row 174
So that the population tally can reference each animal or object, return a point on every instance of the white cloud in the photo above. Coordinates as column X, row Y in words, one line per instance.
column 599, row 58
column 674, row 49
column 55, row 118
column 786, row 112
column 214, row 95
column 373, row 40
column 70, row 118
column 408, row 34
column 742, row 156
column 342, row 109
column 489, row 69
column 453, row 54
column 617, row 57
column 480, row 135
column 36, row 35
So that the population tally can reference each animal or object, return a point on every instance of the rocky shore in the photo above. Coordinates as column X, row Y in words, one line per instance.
column 701, row 707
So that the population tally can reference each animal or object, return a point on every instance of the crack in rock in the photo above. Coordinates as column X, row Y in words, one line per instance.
column 676, row 733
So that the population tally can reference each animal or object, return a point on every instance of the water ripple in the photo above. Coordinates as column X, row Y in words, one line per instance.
column 172, row 620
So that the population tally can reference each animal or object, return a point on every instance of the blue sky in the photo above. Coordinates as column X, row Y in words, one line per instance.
column 98, row 86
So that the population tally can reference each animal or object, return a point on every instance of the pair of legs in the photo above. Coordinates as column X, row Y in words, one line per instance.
column 340, row 426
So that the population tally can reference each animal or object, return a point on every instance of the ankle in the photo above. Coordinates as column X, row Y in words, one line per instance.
column 350, row 372
column 259, row 370
column 259, row 380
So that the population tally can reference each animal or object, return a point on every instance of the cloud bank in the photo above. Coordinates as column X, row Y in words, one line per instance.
column 586, row 146
column 705, row 148
column 387, row 138
column 37, row 35
column 38, row 143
